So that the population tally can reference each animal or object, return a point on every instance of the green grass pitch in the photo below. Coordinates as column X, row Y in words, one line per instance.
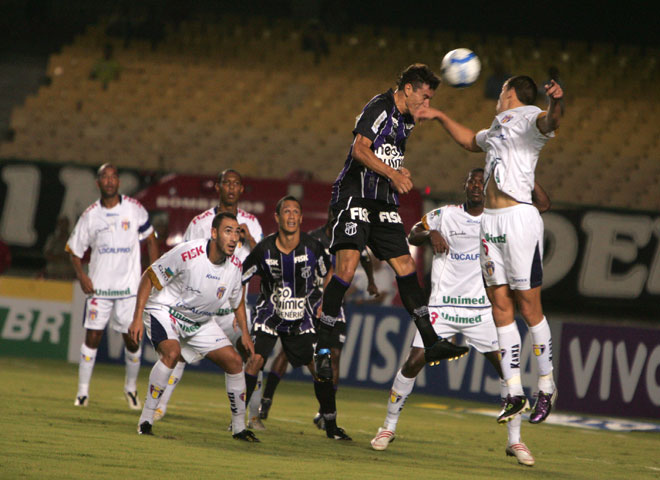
column 44, row 436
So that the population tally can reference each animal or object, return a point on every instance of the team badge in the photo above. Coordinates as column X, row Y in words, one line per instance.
column 125, row 224
column 395, row 397
column 538, row 349
column 155, row 391
column 93, row 314
column 306, row 272
column 221, row 291
column 507, row 119
column 351, row 229
column 490, row 268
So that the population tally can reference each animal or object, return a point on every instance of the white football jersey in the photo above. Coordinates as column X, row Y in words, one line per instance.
column 456, row 276
column 512, row 145
column 200, row 227
column 114, row 235
column 190, row 286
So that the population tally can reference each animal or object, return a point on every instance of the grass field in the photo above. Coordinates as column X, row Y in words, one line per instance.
column 45, row 436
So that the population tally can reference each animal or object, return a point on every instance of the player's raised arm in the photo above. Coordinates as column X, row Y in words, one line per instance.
column 464, row 136
column 362, row 152
column 549, row 122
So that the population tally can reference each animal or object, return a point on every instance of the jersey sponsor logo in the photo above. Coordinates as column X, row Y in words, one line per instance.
column 193, row 253
column 111, row 214
column 300, row 258
column 166, row 271
column 390, row 217
column 390, row 155
column 221, row 291
column 210, row 276
column 520, row 280
column 449, row 300
column 113, row 293
column 287, row 307
column 194, row 310
column 358, row 213
column 463, row 320
column 454, row 233
column 176, row 315
column 378, row 121
column 495, row 239
column 111, row 250
column 350, row 229
column 125, row 224
column 248, row 273
column 194, row 290
column 271, row 262
column 490, row 268
column 464, row 256
column 224, row 311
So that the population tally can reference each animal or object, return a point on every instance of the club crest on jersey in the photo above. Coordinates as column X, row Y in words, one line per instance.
column 221, row 291
column 395, row 397
column 538, row 349
column 93, row 314
column 125, row 224
column 351, row 229
column 507, row 119
column 490, row 268
column 306, row 272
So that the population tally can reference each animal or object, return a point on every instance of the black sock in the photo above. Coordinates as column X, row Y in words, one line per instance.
column 413, row 299
column 271, row 384
column 333, row 296
column 325, row 394
column 250, row 383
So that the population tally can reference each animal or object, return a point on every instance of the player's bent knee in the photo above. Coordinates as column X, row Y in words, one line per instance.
column 254, row 364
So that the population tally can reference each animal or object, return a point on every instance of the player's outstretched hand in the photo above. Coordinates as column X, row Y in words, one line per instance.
column 402, row 183
column 438, row 242
column 136, row 330
column 554, row 90
column 426, row 113
column 247, row 343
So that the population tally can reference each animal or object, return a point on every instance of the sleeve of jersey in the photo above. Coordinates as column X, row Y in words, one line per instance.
column 433, row 219
column 189, row 233
column 251, row 265
column 481, row 139
column 165, row 268
column 78, row 242
column 324, row 262
column 258, row 233
column 145, row 228
column 236, row 292
column 370, row 121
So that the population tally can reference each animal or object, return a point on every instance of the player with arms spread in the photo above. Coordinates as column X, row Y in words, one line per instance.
column 512, row 229
column 365, row 200
column 229, row 186
column 113, row 228
column 178, row 297
column 291, row 265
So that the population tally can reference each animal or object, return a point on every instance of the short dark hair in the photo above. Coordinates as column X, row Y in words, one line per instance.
column 217, row 220
column 226, row 171
column 418, row 74
column 102, row 168
column 525, row 88
column 281, row 201
column 474, row 170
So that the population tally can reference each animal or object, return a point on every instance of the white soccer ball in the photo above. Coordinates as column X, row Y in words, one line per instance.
column 460, row 68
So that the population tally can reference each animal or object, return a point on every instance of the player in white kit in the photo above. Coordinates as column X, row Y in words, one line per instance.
column 458, row 302
column 229, row 187
column 178, row 297
column 512, row 229
column 112, row 227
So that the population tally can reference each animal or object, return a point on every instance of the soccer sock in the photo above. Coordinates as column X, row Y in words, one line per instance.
column 255, row 399
column 250, row 384
column 272, row 382
column 325, row 394
column 542, row 348
column 172, row 382
column 132, row 361
column 158, row 378
column 333, row 296
column 509, row 340
column 412, row 297
column 513, row 426
column 235, row 384
column 85, row 369
column 401, row 389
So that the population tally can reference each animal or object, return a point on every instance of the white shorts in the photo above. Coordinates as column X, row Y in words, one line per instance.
column 512, row 247
column 196, row 339
column 117, row 311
column 476, row 324
column 226, row 322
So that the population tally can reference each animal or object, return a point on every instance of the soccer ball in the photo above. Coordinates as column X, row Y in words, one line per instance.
column 460, row 68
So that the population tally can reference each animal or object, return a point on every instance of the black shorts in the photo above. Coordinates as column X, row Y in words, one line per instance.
column 362, row 222
column 299, row 349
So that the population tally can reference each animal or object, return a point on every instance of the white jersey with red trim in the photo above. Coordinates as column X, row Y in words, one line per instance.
column 200, row 227
column 512, row 145
column 114, row 235
column 456, row 276
column 191, row 287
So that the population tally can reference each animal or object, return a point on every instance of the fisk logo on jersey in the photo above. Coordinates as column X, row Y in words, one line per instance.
column 287, row 307
column 193, row 253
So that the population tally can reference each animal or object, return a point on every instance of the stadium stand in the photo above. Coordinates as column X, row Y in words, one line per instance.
column 244, row 92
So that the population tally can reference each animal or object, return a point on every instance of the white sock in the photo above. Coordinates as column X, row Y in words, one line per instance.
column 513, row 426
column 85, row 369
column 132, row 361
column 173, row 381
column 235, row 384
column 542, row 349
column 158, row 377
column 401, row 389
column 509, row 340
column 255, row 400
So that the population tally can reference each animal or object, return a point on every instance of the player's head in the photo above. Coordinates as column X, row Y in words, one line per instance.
column 107, row 179
column 288, row 214
column 474, row 187
column 224, row 232
column 517, row 91
column 418, row 84
column 229, row 187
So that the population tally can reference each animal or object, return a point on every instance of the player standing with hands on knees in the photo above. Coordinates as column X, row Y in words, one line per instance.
column 365, row 201
column 178, row 297
column 512, row 229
